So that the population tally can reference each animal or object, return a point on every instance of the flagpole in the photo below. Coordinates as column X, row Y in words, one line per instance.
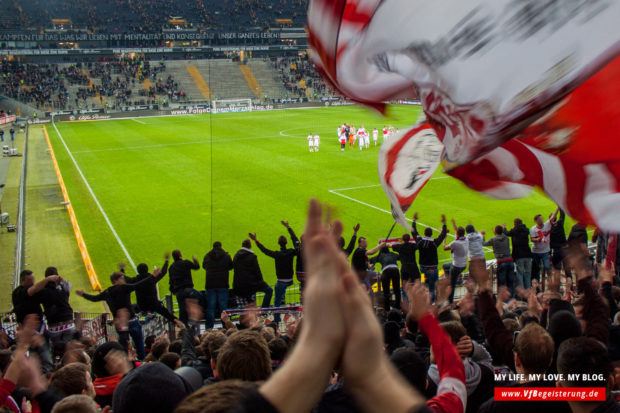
column 391, row 229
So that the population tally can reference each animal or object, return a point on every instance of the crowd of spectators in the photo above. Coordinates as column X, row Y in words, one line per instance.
column 105, row 82
column 151, row 16
column 428, row 353
column 41, row 85
column 300, row 78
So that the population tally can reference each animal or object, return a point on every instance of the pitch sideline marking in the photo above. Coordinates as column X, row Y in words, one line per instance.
column 333, row 191
column 138, row 121
column 92, row 193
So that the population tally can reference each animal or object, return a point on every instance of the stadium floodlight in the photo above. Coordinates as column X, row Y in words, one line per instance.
column 231, row 105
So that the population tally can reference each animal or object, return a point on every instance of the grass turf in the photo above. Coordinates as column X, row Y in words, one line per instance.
column 185, row 182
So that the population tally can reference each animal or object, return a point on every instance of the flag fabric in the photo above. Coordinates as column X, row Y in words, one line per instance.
column 520, row 93
column 406, row 163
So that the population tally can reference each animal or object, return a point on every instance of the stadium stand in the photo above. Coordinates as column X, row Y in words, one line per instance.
column 151, row 15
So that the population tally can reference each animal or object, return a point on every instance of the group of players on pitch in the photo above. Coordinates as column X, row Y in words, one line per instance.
column 348, row 133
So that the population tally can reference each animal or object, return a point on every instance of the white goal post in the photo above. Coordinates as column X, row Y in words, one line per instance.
column 231, row 105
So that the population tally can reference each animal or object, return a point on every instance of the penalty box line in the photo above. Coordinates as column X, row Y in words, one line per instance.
column 337, row 192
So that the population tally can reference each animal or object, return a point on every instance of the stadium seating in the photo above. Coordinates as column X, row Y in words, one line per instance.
column 151, row 15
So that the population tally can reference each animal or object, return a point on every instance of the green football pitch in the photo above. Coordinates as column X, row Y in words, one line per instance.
column 144, row 186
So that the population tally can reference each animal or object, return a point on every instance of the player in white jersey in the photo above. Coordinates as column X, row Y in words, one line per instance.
column 317, row 140
column 391, row 131
column 360, row 137
column 311, row 143
column 367, row 140
column 340, row 131
column 375, row 135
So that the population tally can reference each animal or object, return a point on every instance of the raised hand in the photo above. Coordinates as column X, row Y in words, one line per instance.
column 122, row 265
column 80, row 292
column 419, row 301
column 356, row 228
column 166, row 256
column 465, row 346
column 252, row 236
column 415, row 216
column 325, row 267
column 443, row 289
column 285, row 223
column 156, row 272
column 533, row 305
column 479, row 273
column 443, row 219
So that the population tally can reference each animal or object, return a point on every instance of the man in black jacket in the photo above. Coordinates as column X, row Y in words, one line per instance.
column 181, row 283
column 300, row 269
column 58, row 312
column 284, row 267
column 248, row 278
column 26, row 297
column 118, row 298
column 428, row 252
column 521, row 252
column 406, row 254
column 146, row 293
column 557, row 239
column 360, row 262
column 217, row 264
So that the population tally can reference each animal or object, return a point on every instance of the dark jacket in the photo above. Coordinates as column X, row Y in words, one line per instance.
column 385, row 259
column 181, row 275
column 578, row 234
column 24, row 304
column 520, row 236
column 284, row 259
column 299, row 264
column 55, row 300
column 146, row 291
column 428, row 246
column 117, row 297
column 217, row 264
column 349, row 249
column 557, row 237
column 248, row 277
column 359, row 261
column 406, row 255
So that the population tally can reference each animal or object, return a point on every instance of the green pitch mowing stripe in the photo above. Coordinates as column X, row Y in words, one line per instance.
column 185, row 182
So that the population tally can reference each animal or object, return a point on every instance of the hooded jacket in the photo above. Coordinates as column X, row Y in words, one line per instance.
column 520, row 236
column 217, row 264
column 248, row 278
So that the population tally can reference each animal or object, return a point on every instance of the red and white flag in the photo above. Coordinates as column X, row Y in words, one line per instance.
column 521, row 93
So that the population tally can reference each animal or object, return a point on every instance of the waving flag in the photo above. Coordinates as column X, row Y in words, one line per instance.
column 521, row 93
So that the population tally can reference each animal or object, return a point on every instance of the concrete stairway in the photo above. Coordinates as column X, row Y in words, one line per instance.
column 267, row 78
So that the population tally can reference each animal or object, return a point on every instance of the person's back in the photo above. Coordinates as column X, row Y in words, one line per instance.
column 181, row 273
column 217, row 264
column 386, row 258
column 520, row 235
column 501, row 246
column 474, row 243
column 55, row 300
column 245, row 266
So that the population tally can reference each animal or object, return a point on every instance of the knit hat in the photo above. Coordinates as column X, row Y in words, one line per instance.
column 99, row 362
column 153, row 387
